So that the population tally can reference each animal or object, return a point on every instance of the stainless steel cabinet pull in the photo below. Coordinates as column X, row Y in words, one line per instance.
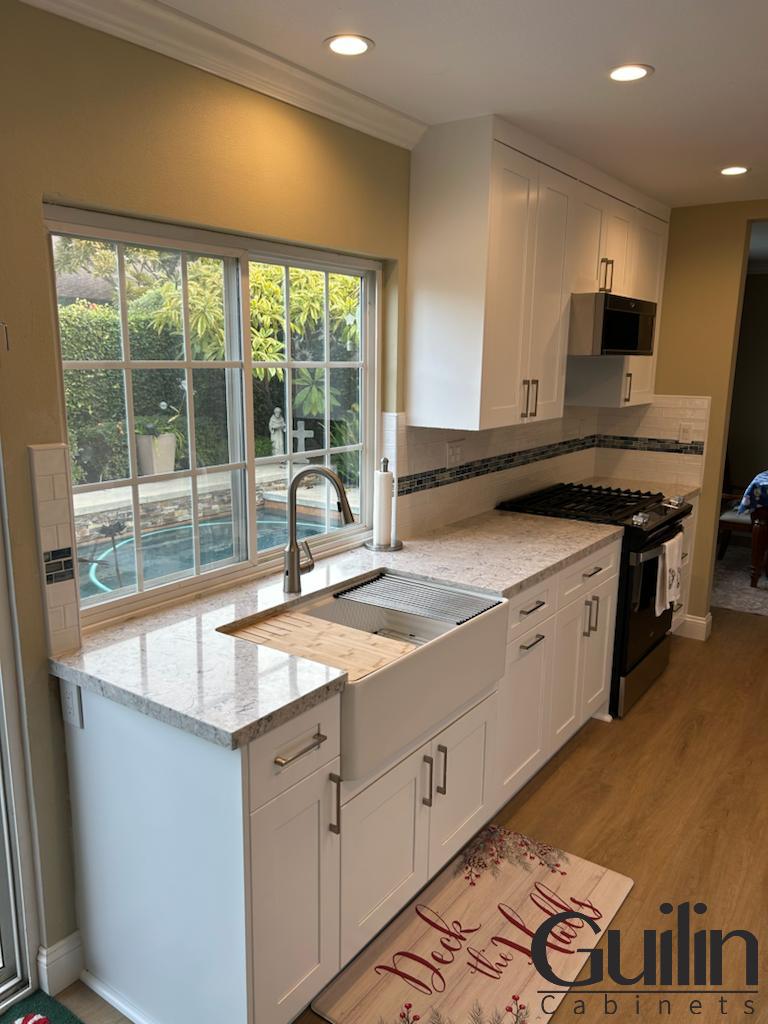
column 604, row 268
column 684, row 555
column 527, row 386
column 588, row 629
column 596, row 602
column 593, row 572
column 535, row 384
column 427, row 800
column 336, row 827
column 534, row 608
column 609, row 286
column 317, row 740
column 6, row 335
column 536, row 640
column 442, row 749
column 628, row 394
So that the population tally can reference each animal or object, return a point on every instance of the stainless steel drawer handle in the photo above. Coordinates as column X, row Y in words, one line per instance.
column 335, row 827
column 593, row 627
column 442, row 749
column 317, row 740
column 588, row 628
column 628, row 394
column 592, row 572
column 427, row 800
column 536, row 640
column 535, row 385
column 533, row 608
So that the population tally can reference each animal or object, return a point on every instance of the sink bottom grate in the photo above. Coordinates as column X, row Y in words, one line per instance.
column 419, row 597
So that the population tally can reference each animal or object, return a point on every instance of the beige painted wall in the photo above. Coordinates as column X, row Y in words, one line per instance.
column 748, row 436
column 89, row 120
column 698, row 341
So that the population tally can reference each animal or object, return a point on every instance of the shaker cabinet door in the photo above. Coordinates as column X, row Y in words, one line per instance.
column 384, row 850
column 523, row 699
column 571, row 628
column 463, row 772
column 548, row 338
column 598, row 648
column 295, row 862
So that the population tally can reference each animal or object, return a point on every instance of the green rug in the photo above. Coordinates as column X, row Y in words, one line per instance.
column 41, row 1004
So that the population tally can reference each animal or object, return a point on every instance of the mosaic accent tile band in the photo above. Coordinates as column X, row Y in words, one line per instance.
column 510, row 460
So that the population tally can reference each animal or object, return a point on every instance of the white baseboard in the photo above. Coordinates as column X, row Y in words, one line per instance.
column 695, row 627
column 115, row 999
column 61, row 964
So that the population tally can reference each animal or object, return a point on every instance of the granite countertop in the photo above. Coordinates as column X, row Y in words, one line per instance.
column 173, row 665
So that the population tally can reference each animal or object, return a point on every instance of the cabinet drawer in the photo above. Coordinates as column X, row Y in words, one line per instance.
column 531, row 607
column 588, row 573
column 289, row 753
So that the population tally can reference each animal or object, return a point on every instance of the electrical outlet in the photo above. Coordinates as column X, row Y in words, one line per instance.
column 454, row 454
column 71, row 704
column 684, row 434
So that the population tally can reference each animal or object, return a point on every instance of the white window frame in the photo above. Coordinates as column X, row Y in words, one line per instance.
column 244, row 249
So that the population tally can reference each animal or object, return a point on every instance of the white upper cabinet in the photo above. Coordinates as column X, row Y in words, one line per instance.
column 498, row 242
column 487, row 289
column 631, row 256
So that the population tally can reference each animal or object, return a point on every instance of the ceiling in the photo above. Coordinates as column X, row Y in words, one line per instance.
column 543, row 64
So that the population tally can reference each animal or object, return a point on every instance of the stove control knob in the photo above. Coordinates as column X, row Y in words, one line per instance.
column 675, row 502
column 640, row 519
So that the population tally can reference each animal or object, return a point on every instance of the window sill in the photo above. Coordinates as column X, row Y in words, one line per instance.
column 134, row 607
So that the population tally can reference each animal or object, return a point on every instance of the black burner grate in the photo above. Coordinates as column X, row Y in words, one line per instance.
column 584, row 501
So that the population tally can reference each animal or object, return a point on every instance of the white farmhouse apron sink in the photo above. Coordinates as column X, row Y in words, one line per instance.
column 454, row 649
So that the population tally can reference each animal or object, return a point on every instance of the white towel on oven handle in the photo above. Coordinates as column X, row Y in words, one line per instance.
column 669, row 573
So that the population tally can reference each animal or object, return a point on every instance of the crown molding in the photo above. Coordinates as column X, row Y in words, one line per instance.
column 155, row 26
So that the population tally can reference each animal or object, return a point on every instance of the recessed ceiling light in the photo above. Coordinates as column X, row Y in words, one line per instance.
column 631, row 72
column 349, row 45
column 730, row 171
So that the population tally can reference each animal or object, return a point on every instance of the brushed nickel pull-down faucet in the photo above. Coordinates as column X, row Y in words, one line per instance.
column 293, row 566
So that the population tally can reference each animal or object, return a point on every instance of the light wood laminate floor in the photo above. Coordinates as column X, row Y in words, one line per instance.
column 675, row 796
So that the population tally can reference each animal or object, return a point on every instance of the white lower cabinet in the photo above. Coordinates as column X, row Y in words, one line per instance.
column 523, row 699
column 598, row 649
column 384, row 850
column 462, row 770
column 326, row 878
column 571, row 629
column 295, row 872
column 399, row 831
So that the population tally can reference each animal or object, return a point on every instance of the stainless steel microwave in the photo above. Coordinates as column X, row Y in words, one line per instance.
column 604, row 324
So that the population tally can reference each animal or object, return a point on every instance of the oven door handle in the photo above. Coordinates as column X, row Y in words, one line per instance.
column 639, row 557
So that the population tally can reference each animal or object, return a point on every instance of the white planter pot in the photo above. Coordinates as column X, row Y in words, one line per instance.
column 156, row 454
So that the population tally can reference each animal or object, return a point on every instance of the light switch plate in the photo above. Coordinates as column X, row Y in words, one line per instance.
column 71, row 704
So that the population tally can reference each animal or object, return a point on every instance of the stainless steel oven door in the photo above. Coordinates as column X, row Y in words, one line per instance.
column 645, row 629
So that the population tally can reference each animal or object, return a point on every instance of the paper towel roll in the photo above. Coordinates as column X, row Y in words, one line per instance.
column 382, row 504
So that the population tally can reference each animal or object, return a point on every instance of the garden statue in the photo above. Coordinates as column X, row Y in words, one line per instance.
column 277, row 431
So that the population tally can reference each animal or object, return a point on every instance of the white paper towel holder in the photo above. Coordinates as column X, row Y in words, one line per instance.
column 395, row 545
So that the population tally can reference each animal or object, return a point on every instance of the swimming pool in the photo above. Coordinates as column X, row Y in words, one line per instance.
column 169, row 552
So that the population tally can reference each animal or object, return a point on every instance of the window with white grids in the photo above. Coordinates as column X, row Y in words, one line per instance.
column 197, row 380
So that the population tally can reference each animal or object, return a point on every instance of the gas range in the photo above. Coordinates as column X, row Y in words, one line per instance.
column 641, row 513
column 641, row 646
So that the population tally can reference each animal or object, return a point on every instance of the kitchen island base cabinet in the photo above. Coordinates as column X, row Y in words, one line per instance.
column 295, row 870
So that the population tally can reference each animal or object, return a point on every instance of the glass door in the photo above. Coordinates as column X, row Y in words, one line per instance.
column 15, row 844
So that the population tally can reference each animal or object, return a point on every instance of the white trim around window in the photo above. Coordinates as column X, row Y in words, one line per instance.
column 239, row 251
